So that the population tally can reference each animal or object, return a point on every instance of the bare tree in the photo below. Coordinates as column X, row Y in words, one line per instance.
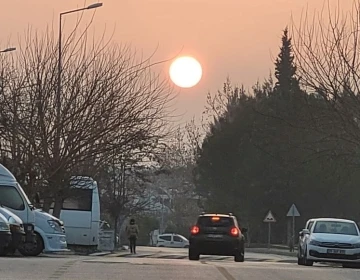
column 326, row 50
column 110, row 100
column 124, row 187
column 175, row 176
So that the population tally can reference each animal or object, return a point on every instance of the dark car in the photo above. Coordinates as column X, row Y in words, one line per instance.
column 217, row 234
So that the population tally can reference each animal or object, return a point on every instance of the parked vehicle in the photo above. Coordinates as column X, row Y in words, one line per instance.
column 172, row 240
column 81, row 214
column 329, row 240
column 5, row 235
column 49, row 236
column 18, row 236
column 217, row 234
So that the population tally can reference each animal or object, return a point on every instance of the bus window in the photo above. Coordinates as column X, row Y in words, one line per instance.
column 81, row 200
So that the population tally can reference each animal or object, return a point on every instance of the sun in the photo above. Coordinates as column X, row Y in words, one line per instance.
column 185, row 72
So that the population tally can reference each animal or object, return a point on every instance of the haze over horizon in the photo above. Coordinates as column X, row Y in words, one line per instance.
column 231, row 38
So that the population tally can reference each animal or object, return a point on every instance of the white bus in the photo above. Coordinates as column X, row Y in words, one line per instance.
column 81, row 214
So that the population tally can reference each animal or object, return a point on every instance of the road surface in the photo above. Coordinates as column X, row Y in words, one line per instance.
column 166, row 264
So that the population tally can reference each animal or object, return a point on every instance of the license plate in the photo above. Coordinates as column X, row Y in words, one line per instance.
column 215, row 236
column 336, row 251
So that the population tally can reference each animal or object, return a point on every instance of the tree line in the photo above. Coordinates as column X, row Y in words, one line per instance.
column 292, row 139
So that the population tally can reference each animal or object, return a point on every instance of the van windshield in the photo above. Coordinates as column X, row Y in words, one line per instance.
column 24, row 194
column 11, row 198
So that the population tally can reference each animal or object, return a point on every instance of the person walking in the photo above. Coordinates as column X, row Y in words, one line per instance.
column 132, row 231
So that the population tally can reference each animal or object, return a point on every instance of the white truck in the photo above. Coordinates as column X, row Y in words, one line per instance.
column 49, row 231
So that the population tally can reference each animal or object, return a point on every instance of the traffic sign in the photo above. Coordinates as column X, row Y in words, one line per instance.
column 293, row 211
column 270, row 218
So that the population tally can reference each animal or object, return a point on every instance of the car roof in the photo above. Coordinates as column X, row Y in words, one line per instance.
column 331, row 220
column 172, row 234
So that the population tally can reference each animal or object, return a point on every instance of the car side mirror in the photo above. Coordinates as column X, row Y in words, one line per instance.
column 244, row 230
column 304, row 232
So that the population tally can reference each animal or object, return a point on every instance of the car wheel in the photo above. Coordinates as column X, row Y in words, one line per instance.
column 186, row 246
column 300, row 258
column 32, row 250
column 239, row 256
column 193, row 254
column 306, row 262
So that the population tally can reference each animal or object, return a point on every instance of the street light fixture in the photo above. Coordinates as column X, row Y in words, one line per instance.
column 94, row 6
column 58, row 91
column 8, row 50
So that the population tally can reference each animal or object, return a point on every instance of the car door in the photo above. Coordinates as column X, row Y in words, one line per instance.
column 178, row 242
column 164, row 241
column 304, row 236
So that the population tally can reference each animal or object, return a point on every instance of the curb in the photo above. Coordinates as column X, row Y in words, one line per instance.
column 100, row 254
column 271, row 251
column 65, row 253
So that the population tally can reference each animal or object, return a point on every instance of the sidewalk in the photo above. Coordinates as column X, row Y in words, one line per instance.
column 274, row 251
column 156, row 250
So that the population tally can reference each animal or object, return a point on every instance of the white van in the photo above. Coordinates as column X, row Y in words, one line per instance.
column 17, row 238
column 5, row 235
column 81, row 214
column 172, row 240
column 49, row 232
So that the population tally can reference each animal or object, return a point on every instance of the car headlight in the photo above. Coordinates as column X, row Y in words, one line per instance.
column 4, row 226
column 357, row 245
column 315, row 242
column 14, row 225
column 12, row 221
column 55, row 225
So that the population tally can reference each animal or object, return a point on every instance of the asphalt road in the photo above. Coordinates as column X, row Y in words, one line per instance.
column 166, row 264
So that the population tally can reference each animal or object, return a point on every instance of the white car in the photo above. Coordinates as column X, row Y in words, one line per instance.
column 329, row 240
column 172, row 240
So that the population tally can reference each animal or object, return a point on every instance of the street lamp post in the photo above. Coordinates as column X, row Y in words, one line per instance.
column 2, row 73
column 58, row 91
column 11, row 49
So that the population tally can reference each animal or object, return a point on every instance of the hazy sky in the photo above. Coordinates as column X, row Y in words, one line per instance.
column 236, row 38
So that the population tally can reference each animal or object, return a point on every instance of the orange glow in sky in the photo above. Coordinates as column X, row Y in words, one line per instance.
column 231, row 38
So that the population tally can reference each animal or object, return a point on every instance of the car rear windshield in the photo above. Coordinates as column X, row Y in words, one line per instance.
column 210, row 221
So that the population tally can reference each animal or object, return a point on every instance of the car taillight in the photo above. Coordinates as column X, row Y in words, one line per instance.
column 195, row 230
column 234, row 231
